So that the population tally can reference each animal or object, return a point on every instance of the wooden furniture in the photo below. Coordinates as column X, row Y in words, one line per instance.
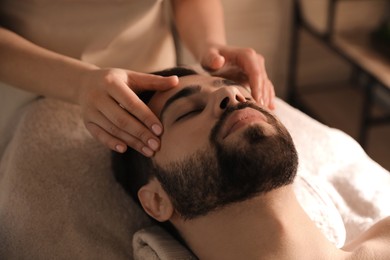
column 356, row 49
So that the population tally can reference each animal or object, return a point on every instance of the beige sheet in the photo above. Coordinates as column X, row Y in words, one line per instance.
column 58, row 198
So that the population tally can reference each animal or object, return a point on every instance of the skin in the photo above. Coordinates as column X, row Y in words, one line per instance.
column 203, row 117
column 274, row 225
column 99, row 91
column 205, row 21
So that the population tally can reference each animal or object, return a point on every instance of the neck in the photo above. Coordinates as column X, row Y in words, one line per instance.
column 269, row 226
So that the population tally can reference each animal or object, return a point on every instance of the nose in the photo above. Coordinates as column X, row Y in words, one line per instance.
column 225, row 97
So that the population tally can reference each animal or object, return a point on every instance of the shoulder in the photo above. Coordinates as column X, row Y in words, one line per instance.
column 372, row 244
column 380, row 230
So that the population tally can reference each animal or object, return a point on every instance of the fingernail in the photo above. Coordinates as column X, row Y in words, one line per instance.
column 153, row 144
column 146, row 150
column 261, row 102
column 176, row 78
column 120, row 148
column 157, row 130
column 273, row 105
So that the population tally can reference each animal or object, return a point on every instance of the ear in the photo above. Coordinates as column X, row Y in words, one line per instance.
column 155, row 201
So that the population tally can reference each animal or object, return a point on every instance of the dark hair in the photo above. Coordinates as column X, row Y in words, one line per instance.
column 175, row 71
column 133, row 170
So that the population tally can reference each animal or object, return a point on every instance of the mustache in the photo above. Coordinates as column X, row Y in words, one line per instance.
column 229, row 110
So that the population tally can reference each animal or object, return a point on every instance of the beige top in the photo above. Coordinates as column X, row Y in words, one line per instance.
column 129, row 34
column 132, row 34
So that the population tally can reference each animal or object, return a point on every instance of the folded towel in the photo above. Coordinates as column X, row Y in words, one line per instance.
column 155, row 243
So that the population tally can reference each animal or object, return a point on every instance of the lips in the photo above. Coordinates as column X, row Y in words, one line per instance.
column 241, row 118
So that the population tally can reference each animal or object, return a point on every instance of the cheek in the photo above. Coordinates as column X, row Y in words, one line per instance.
column 182, row 141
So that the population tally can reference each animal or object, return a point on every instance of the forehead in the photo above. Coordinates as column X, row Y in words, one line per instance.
column 206, row 82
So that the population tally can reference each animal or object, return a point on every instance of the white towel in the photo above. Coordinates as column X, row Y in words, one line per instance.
column 358, row 186
column 155, row 243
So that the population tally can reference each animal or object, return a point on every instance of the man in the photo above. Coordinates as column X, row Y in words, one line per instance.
column 223, row 178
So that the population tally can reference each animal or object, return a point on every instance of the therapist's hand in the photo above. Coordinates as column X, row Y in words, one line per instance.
column 243, row 65
column 114, row 114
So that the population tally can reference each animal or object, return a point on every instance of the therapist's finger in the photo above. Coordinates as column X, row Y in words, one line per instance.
column 267, row 89
column 140, row 82
column 271, row 104
column 257, row 78
column 108, row 140
column 113, row 137
column 256, row 84
column 212, row 60
column 251, row 64
column 127, row 123
column 124, row 95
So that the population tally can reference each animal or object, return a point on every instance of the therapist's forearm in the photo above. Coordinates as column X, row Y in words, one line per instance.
column 200, row 24
column 33, row 68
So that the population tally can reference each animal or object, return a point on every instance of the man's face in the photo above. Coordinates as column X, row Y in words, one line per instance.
column 218, row 147
column 189, row 119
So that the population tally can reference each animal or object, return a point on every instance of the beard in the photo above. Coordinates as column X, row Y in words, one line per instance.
column 223, row 174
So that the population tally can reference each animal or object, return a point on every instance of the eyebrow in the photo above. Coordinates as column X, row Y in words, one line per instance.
column 185, row 92
column 193, row 89
column 224, row 82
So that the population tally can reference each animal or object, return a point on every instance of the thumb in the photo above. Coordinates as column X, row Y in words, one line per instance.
column 139, row 82
column 213, row 60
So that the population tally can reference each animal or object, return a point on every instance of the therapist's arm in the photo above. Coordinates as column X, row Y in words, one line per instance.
column 99, row 92
column 200, row 24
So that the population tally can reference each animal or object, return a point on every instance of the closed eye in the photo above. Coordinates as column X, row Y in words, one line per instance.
column 189, row 114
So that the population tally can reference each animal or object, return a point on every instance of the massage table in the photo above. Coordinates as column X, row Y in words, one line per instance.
column 59, row 199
